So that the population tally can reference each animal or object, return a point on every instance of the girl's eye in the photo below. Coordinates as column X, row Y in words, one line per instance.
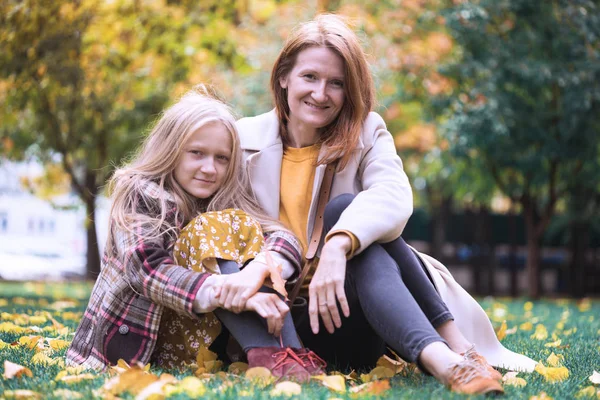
column 196, row 152
column 338, row 84
column 223, row 158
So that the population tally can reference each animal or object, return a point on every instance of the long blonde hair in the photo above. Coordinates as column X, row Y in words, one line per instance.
column 135, row 206
column 330, row 31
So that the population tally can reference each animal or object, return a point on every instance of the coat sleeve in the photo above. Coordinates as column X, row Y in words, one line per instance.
column 380, row 211
column 286, row 251
column 152, row 272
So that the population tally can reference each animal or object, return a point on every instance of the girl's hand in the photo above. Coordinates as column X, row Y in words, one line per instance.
column 240, row 286
column 270, row 307
column 326, row 288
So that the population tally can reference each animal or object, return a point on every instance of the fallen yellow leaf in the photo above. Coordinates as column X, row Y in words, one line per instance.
column 286, row 388
column 374, row 388
column 3, row 344
column 260, row 375
column 21, row 394
column 584, row 305
column 555, row 360
column 526, row 326
column 154, row 391
column 237, row 368
column 528, row 306
column 76, row 378
column 12, row 370
column 595, row 378
column 397, row 366
column 501, row 333
column 377, row 373
column 58, row 344
column 589, row 391
column 541, row 396
column 511, row 379
column 336, row 383
column 556, row 374
column 541, row 333
column 67, row 394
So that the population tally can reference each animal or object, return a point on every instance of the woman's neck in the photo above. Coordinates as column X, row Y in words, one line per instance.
column 302, row 136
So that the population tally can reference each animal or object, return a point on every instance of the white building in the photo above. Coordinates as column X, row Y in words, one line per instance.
column 38, row 240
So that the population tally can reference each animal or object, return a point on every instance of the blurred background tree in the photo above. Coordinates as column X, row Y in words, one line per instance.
column 526, row 106
column 487, row 100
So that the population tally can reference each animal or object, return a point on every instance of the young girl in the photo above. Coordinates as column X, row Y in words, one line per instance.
column 159, row 298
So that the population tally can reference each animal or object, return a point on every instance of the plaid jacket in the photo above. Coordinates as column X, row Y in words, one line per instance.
column 137, row 280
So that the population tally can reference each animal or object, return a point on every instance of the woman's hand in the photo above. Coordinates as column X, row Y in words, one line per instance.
column 270, row 307
column 240, row 286
column 326, row 288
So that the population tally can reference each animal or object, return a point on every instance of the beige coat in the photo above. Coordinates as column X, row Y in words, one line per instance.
column 379, row 213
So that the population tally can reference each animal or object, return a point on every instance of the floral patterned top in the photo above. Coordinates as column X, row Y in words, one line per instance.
column 229, row 234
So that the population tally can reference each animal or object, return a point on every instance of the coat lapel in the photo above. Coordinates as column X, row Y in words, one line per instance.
column 264, row 170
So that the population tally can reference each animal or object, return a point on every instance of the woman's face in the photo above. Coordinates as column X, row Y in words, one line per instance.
column 315, row 88
column 202, row 167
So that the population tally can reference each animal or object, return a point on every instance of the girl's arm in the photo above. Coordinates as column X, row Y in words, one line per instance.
column 151, row 272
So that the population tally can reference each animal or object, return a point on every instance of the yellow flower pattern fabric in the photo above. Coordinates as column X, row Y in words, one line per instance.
column 229, row 234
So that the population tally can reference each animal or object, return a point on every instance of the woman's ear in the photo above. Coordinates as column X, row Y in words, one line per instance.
column 283, row 82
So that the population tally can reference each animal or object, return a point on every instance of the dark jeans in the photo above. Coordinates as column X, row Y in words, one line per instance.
column 391, row 299
column 248, row 328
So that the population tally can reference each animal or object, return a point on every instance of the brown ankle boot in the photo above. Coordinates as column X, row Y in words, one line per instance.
column 314, row 364
column 467, row 377
column 282, row 362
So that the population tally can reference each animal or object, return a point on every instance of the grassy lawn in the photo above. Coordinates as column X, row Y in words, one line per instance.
column 47, row 311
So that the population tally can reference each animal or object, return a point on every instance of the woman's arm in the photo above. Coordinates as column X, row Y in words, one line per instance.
column 380, row 211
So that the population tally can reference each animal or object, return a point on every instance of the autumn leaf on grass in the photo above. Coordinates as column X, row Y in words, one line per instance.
column 377, row 373
column 352, row 376
column 554, row 344
column 397, row 366
column 76, row 378
column 589, row 391
column 67, row 394
column 44, row 359
column 3, row 344
column 374, row 388
column 336, row 383
column 123, row 366
column 526, row 326
column 541, row 333
column 12, row 370
column 190, row 386
column 286, row 388
column 21, row 394
column 501, row 332
column 260, row 376
column 134, row 380
column 275, row 275
column 584, row 305
column 32, row 342
column 511, row 378
column 541, row 396
column 552, row 374
column 554, row 360
column 207, row 362
column 155, row 389
column 237, row 368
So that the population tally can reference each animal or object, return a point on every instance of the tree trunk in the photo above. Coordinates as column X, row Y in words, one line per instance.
column 439, row 221
column 92, row 252
column 512, row 254
column 533, row 256
column 577, row 267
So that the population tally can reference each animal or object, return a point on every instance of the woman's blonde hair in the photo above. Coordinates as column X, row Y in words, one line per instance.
column 135, row 206
column 332, row 32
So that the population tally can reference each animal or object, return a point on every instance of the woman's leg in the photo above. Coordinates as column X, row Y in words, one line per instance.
column 248, row 328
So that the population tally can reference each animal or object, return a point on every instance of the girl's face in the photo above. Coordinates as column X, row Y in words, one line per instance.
column 202, row 167
column 315, row 88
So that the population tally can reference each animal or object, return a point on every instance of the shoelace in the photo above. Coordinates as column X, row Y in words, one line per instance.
column 287, row 356
column 313, row 359
column 467, row 370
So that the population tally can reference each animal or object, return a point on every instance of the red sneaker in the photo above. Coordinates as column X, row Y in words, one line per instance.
column 282, row 362
column 314, row 364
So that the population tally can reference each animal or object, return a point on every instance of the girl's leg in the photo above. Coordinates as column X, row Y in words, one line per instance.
column 248, row 328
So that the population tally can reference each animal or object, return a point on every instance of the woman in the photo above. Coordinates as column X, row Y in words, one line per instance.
column 163, row 291
column 323, row 95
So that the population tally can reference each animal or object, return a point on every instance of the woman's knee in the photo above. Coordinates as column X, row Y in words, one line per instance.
column 335, row 207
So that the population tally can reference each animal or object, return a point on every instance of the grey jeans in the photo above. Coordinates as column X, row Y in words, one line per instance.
column 392, row 302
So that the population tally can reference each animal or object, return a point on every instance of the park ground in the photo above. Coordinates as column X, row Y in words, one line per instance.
column 38, row 320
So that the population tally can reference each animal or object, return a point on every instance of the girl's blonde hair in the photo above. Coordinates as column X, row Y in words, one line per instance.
column 332, row 32
column 135, row 206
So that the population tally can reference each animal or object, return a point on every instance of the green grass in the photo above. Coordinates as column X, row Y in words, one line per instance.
column 581, row 349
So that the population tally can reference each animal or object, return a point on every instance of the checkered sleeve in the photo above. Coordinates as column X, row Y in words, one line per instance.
column 152, row 273
column 288, row 248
